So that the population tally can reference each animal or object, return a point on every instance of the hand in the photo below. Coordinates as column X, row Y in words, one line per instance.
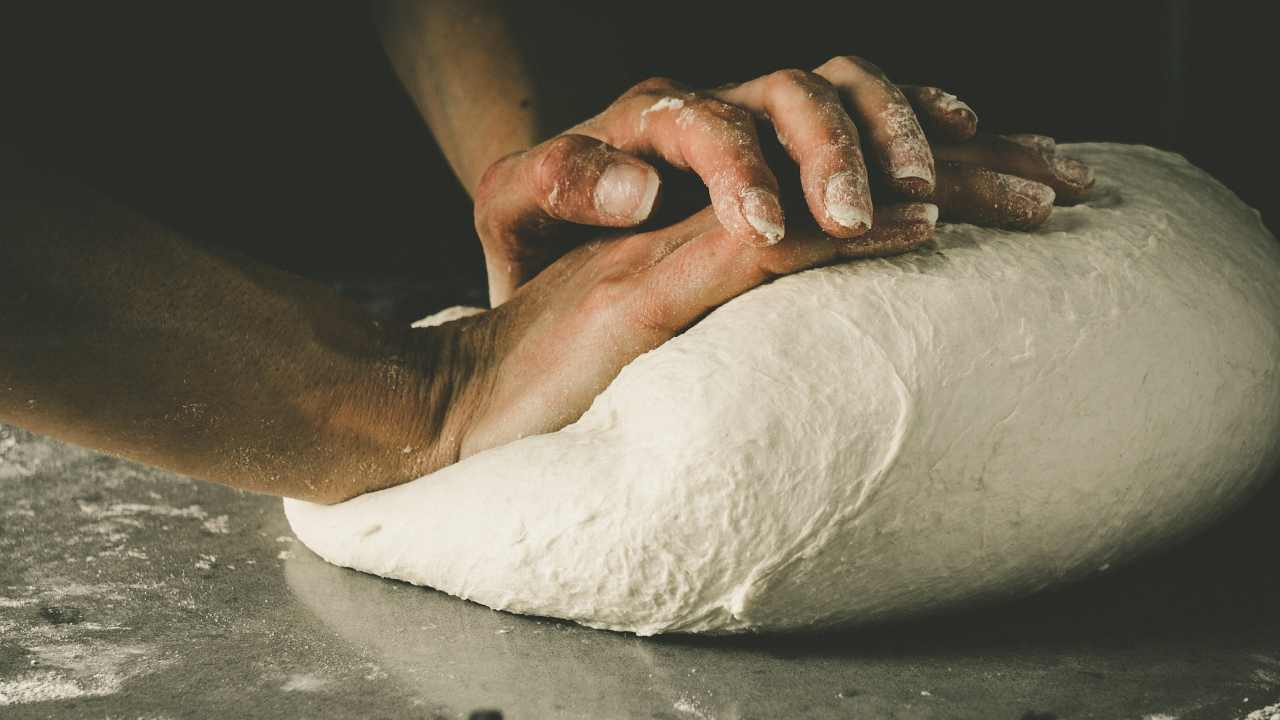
column 548, row 351
column 598, row 174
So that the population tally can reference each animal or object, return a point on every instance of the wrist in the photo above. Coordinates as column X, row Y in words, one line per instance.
column 408, row 411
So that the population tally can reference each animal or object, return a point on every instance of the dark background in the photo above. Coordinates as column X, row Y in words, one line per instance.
column 278, row 128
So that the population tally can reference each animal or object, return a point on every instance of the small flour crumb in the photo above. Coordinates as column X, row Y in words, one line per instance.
column 689, row 706
column 218, row 525
column 304, row 683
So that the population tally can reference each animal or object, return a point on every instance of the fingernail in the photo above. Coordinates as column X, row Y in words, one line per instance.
column 1041, row 143
column 1073, row 171
column 907, row 156
column 848, row 202
column 910, row 165
column 910, row 213
column 626, row 191
column 763, row 211
column 951, row 104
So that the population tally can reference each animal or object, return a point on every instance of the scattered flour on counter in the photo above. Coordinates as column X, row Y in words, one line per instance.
column 116, row 510
column 42, row 686
column 1270, row 712
column 21, row 460
column 76, row 670
column 689, row 706
column 304, row 683
column 218, row 525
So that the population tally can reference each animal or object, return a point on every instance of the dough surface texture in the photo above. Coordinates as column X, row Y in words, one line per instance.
column 978, row 420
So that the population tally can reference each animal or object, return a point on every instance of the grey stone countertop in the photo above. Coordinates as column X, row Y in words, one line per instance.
column 128, row 592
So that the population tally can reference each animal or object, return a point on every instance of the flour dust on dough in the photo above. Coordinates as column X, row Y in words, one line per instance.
column 974, row 421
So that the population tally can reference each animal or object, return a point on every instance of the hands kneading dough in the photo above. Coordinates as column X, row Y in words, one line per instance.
column 861, row 442
column 922, row 145
column 564, row 335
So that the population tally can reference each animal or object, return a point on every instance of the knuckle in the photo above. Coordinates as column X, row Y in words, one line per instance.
column 656, row 84
column 718, row 111
column 558, row 150
column 489, row 227
column 853, row 65
column 798, row 79
column 841, row 63
column 563, row 159
column 608, row 298
column 652, row 314
column 493, row 179
column 816, row 87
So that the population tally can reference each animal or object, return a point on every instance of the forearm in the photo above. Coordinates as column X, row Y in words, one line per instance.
column 117, row 334
column 459, row 62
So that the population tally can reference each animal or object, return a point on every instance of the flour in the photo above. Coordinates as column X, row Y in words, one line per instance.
column 1270, row 712
column 218, row 525
column 666, row 103
column 993, row 415
column 304, row 683
column 76, row 670
column 127, row 509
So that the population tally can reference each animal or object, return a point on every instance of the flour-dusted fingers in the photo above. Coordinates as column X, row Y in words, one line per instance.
column 570, row 178
column 708, row 270
column 978, row 195
column 816, row 131
column 905, row 228
column 714, row 139
column 944, row 117
column 882, row 113
column 1034, row 157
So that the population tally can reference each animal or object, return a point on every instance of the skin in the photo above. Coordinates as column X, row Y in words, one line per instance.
column 460, row 64
column 923, row 144
column 119, row 334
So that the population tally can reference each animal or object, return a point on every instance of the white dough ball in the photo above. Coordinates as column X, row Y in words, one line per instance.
column 977, row 420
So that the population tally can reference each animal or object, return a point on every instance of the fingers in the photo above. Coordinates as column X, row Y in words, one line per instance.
column 896, row 140
column 904, row 228
column 945, row 117
column 1031, row 156
column 819, row 135
column 973, row 194
column 709, row 270
column 714, row 139
column 570, row 178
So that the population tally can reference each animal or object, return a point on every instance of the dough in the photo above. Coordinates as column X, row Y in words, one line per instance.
column 973, row 421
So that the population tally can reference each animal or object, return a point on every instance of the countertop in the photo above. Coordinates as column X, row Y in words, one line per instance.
column 129, row 592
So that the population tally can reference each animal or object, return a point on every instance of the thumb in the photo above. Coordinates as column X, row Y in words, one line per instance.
column 570, row 178
column 567, row 179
